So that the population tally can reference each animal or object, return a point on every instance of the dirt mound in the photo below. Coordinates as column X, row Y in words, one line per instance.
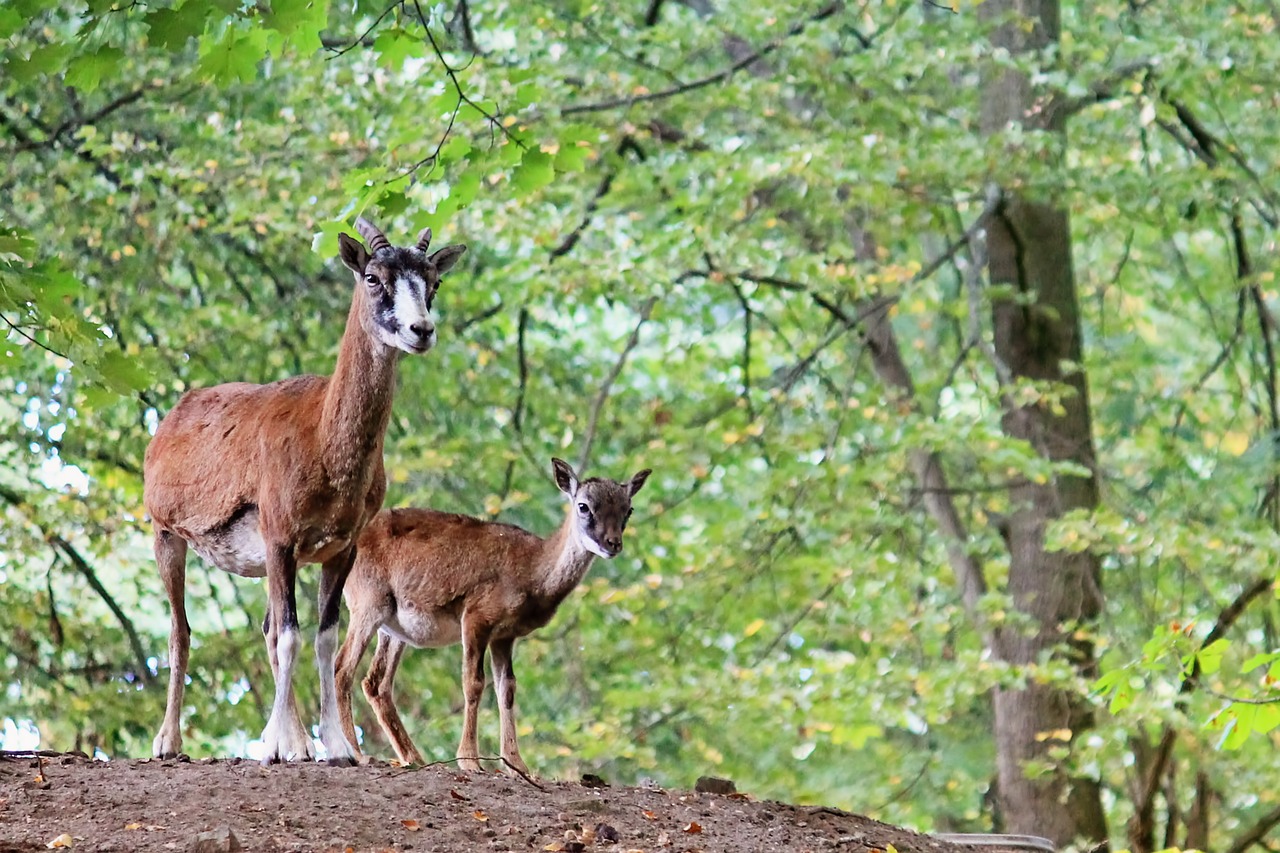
column 223, row 805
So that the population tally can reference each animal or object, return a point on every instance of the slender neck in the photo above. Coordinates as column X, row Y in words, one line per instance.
column 564, row 559
column 357, row 401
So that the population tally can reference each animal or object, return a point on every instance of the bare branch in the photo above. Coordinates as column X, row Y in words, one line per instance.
column 824, row 12
column 1256, row 833
column 607, row 385
column 70, row 553
column 1142, row 823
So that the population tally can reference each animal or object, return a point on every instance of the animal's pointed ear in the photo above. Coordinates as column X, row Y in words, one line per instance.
column 445, row 258
column 566, row 480
column 638, row 480
column 352, row 252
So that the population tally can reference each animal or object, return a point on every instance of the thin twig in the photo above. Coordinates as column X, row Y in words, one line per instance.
column 525, row 776
column 361, row 40
column 28, row 337
column 452, row 73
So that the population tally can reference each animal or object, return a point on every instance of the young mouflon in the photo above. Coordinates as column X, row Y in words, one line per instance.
column 260, row 479
column 424, row 578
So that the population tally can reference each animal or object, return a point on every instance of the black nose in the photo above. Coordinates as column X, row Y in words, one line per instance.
column 422, row 330
column 613, row 544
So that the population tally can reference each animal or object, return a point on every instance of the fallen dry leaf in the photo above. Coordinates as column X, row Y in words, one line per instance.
column 479, row 814
column 554, row 846
column 411, row 825
column 649, row 815
column 133, row 826
column 664, row 839
column 456, row 795
column 693, row 828
column 63, row 840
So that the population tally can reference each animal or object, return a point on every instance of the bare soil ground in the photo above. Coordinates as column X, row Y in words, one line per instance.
column 222, row 805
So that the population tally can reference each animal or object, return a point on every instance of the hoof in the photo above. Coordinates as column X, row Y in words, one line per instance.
column 343, row 761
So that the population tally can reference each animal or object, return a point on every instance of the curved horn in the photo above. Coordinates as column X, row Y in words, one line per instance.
column 373, row 236
column 424, row 239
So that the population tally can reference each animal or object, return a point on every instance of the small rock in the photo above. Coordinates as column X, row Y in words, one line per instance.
column 220, row 840
column 606, row 834
column 591, row 780
column 715, row 785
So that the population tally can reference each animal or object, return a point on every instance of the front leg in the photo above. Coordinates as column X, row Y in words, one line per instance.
column 504, row 684
column 284, row 736
column 475, row 639
column 333, row 575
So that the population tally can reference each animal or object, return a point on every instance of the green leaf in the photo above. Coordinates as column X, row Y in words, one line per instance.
column 394, row 46
column 300, row 22
column 173, row 28
column 535, row 171
column 18, row 244
column 43, row 60
column 464, row 187
column 1260, row 659
column 1210, row 657
column 325, row 241
column 393, row 204
column 10, row 22
column 1122, row 698
column 572, row 158
column 234, row 57
column 1266, row 718
column 85, row 72
column 123, row 374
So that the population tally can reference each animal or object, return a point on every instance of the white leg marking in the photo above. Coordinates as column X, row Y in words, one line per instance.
column 335, row 742
column 284, row 736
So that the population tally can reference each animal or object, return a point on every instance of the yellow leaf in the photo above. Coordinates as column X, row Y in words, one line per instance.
column 479, row 814
column 63, row 840
column 411, row 825
column 1235, row 443
column 753, row 628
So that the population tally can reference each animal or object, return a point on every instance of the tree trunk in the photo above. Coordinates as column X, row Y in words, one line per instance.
column 1037, row 328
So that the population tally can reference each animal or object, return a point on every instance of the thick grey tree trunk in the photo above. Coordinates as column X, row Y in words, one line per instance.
column 1036, row 331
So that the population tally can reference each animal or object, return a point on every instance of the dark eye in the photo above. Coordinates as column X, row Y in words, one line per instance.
column 370, row 278
column 584, row 509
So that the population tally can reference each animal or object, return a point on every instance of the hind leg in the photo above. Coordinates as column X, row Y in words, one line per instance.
column 379, row 686
column 339, row 748
column 171, row 560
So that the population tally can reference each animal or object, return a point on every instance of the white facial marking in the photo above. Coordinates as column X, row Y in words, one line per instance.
column 410, row 311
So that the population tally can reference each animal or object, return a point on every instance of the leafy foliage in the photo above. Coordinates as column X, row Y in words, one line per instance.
column 678, row 217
